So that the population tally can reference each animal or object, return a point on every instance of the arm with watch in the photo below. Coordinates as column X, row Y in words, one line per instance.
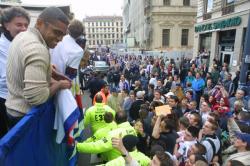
column 117, row 143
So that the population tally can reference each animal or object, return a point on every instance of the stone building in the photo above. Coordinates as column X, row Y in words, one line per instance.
column 160, row 25
column 220, row 30
column 103, row 30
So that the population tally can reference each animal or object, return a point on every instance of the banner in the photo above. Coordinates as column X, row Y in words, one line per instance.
column 32, row 141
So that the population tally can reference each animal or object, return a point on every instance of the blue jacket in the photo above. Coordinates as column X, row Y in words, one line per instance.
column 198, row 85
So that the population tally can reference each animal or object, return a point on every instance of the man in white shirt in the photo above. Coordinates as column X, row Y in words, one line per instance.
column 185, row 142
column 153, row 80
column 66, row 56
column 14, row 20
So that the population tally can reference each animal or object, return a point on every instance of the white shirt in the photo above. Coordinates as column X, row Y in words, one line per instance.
column 4, row 48
column 149, row 68
column 184, row 146
column 153, row 81
column 66, row 53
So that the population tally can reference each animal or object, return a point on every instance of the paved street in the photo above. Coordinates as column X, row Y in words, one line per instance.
column 84, row 159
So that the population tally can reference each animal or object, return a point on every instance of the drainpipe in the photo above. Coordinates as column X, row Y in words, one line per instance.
column 245, row 57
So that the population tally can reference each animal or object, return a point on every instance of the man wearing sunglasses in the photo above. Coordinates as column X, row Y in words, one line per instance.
column 30, row 78
column 66, row 56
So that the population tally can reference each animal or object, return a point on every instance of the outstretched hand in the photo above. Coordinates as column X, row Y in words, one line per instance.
column 117, row 143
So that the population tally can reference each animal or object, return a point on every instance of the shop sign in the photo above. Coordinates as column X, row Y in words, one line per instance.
column 235, row 21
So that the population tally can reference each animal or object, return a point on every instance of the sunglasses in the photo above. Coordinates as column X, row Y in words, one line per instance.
column 55, row 29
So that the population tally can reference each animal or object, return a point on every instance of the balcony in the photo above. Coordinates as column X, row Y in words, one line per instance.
column 207, row 16
column 227, row 9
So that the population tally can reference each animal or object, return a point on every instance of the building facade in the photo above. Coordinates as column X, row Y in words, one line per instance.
column 220, row 30
column 35, row 10
column 163, row 25
column 103, row 30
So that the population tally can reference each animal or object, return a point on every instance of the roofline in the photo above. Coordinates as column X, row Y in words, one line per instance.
column 32, row 6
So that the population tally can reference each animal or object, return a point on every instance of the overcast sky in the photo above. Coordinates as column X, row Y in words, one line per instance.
column 83, row 8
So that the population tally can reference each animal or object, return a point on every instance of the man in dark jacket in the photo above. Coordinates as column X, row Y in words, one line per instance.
column 135, row 107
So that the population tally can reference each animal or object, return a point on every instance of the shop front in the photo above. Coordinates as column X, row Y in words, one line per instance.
column 221, row 39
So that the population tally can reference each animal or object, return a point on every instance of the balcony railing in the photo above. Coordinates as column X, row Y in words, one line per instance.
column 207, row 16
column 227, row 9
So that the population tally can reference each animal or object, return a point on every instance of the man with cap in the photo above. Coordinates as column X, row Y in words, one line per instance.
column 113, row 101
column 94, row 116
column 104, row 145
column 242, row 144
column 135, row 107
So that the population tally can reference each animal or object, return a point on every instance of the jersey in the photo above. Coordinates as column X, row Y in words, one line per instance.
column 94, row 116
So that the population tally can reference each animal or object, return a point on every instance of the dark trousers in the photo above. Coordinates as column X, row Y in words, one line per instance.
column 13, row 120
column 3, row 118
column 198, row 95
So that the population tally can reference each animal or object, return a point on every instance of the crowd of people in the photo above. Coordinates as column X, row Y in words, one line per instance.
column 209, row 118
column 208, row 125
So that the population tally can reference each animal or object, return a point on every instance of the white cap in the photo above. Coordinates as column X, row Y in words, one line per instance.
column 169, row 94
column 140, row 94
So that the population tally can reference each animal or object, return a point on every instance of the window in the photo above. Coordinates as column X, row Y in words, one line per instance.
column 186, row 2
column 121, row 23
column 93, row 29
column 117, row 36
column 229, row 2
column 93, row 42
column 112, row 23
column 113, row 35
column 165, row 37
column 104, row 23
column 117, row 29
column 92, row 24
column 117, row 23
column 184, row 37
column 208, row 6
column 166, row 2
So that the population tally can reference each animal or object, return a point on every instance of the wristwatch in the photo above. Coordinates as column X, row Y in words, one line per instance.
column 125, row 154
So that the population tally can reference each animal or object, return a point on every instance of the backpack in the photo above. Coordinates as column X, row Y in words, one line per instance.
column 219, row 153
